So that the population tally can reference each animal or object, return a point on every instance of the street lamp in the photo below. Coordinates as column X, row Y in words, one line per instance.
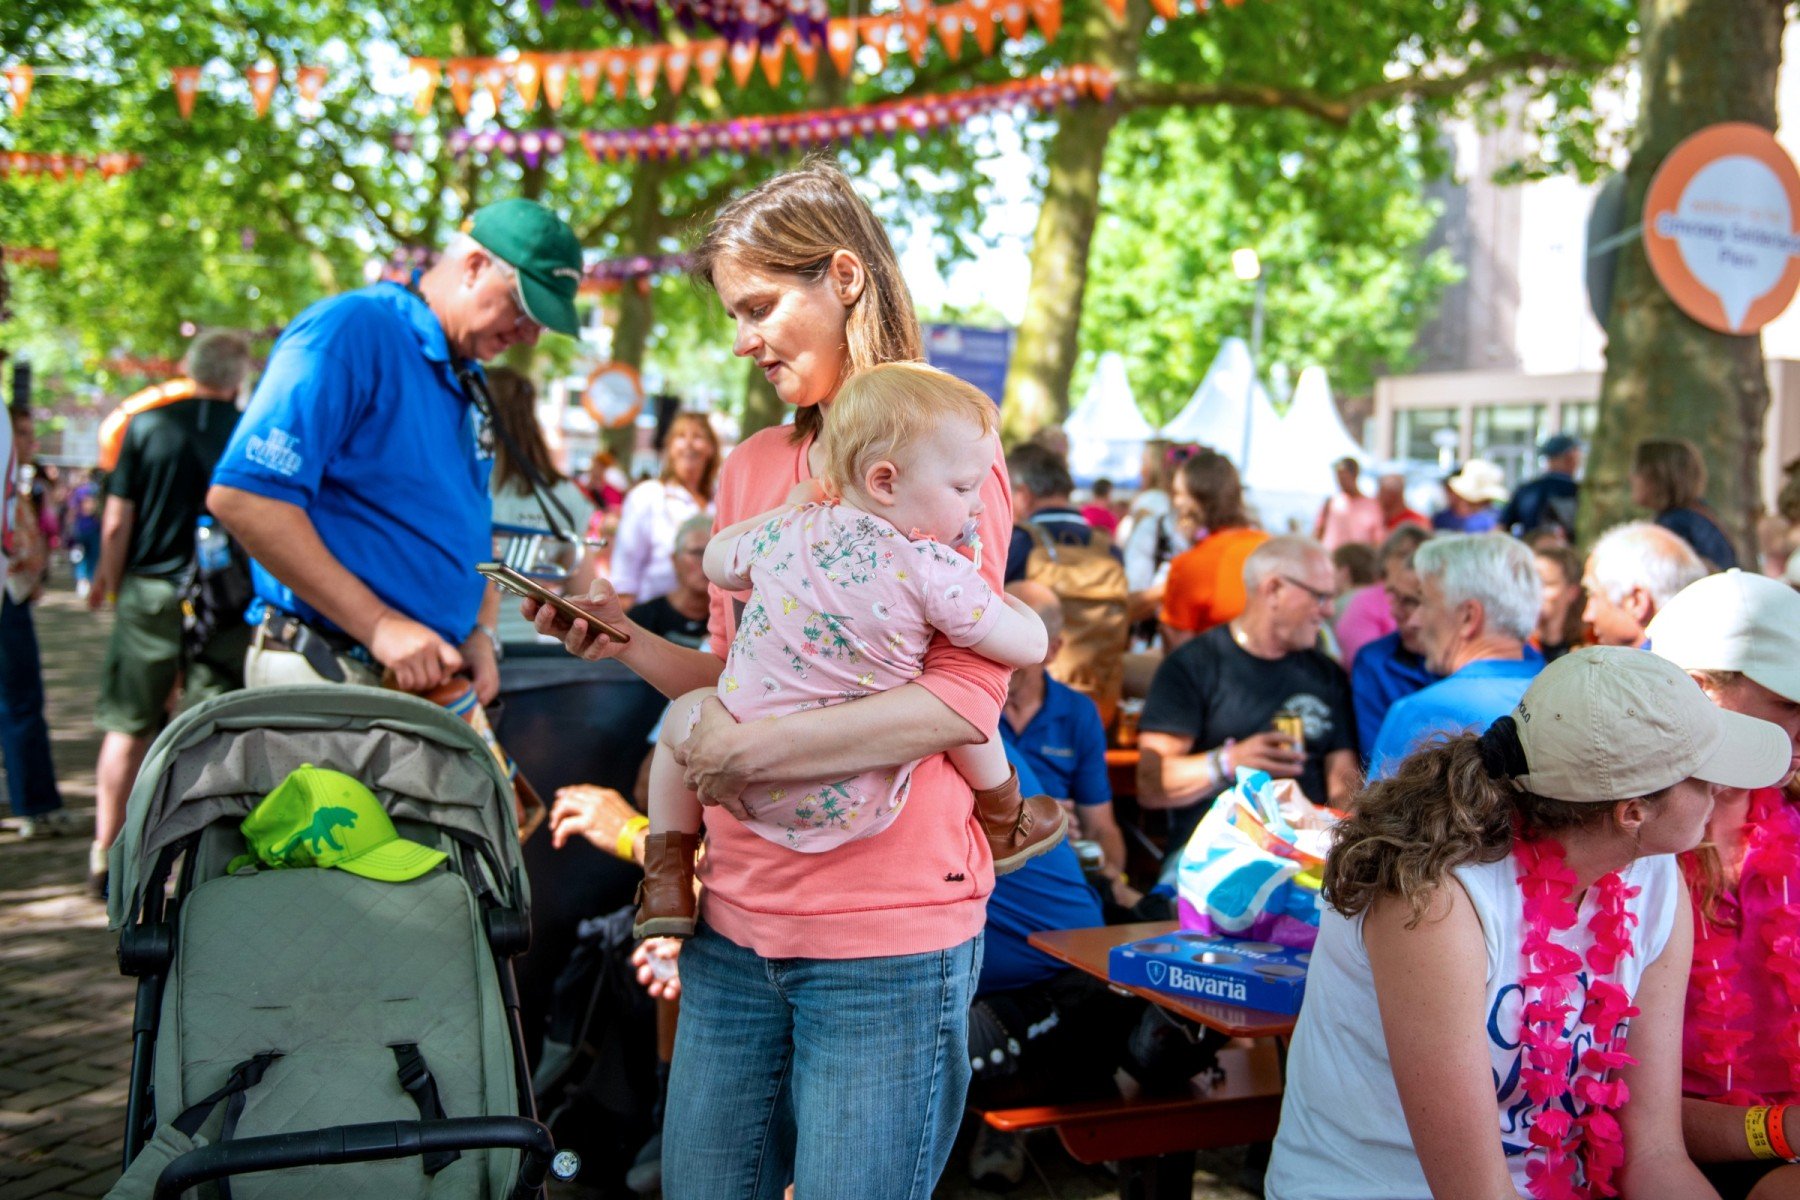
column 1248, row 268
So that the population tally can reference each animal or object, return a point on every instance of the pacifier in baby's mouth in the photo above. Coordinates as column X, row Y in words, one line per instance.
column 970, row 537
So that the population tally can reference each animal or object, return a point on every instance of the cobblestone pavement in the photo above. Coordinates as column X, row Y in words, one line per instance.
column 65, row 1011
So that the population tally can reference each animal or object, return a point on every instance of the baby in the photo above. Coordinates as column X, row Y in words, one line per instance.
column 845, row 596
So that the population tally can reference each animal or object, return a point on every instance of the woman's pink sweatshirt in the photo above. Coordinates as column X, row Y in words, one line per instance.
column 920, row 885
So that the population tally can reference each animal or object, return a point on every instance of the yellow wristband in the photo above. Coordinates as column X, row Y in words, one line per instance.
column 1756, row 1132
column 628, row 837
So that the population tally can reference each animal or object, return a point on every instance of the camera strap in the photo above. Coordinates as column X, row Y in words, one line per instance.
column 474, row 385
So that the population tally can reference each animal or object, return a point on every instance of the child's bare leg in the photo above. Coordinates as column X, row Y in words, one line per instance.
column 666, row 900
column 673, row 808
column 984, row 766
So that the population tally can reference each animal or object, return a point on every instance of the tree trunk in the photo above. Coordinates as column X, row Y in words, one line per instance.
column 1703, row 62
column 1037, row 381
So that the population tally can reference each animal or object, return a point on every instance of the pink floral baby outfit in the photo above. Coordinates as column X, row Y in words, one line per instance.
column 842, row 605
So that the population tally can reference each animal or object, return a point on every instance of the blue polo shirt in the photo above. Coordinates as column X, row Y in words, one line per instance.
column 1049, row 892
column 359, row 420
column 1065, row 745
column 1467, row 700
column 1384, row 671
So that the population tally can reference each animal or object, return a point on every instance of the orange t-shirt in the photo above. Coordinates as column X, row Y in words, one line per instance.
column 1206, row 583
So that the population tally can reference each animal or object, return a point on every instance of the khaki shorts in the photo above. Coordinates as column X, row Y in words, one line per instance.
column 267, row 666
column 143, row 660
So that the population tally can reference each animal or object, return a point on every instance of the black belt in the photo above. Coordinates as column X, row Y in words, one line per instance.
column 319, row 647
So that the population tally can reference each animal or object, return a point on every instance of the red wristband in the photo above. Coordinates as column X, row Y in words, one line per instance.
column 1776, row 1125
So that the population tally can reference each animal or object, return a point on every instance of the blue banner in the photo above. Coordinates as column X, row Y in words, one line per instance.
column 979, row 356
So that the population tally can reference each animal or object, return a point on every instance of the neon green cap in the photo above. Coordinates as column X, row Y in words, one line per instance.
column 317, row 817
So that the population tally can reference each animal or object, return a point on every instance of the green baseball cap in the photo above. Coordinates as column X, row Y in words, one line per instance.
column 542, row 248
column 322, row 818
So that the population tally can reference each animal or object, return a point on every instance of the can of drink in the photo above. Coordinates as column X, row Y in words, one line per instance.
column 1292, row 726
column 1129, row 712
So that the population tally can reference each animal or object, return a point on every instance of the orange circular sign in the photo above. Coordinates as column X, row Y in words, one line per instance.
column 1722, row 227
column 614, row 395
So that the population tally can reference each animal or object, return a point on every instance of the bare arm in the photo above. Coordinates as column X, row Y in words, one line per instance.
column 1171, row 774
column 719, row 553
column 1343, row 778
column 1100, row 824
column 1656, row 1160
column 1017, row 637
column 283, row 539
column 1430, row 985
column 117, row 519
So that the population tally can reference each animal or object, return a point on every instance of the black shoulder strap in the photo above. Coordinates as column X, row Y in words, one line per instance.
column 416, row 1080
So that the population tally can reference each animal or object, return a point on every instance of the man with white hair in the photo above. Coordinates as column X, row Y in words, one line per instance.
column 1632, row 571
column 1478, row 605
column 358, row 479
column 1213, row 703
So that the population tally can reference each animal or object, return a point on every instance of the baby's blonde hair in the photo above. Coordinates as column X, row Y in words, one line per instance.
column 881, row 410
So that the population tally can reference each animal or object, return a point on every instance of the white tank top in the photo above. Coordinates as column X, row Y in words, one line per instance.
column 1343, row 1134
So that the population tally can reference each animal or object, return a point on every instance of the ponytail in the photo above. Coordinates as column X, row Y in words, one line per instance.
column 1449, row 803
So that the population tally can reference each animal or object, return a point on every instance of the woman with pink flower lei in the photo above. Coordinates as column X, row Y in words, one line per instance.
column 1494, row 1004
column 1738, row 635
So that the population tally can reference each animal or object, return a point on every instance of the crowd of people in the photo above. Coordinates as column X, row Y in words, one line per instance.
column 949, row 638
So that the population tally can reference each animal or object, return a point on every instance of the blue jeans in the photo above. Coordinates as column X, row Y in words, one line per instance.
column 24, row 737
column 844, row 1076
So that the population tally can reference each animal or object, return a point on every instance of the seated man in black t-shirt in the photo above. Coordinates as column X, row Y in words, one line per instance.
column 681, row 615
column 1213, row 702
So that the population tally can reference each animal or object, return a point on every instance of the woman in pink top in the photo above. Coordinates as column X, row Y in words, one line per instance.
column 824, row 1025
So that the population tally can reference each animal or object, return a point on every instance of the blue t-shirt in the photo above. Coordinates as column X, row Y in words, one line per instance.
column 1384, row 671
column 1065, row 745
column 1470, row 699
column 359, row 420
column 1702, row 533
column 1482, row 520
column 1049, row 892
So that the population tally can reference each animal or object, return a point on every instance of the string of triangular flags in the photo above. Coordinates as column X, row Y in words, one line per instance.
column 67, row 166
column 552, row 75
column 264, row 77
column 42, row 257
column 819, row 127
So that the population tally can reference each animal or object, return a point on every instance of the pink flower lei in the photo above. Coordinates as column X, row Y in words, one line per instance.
column 1591, row 1145
column 1771, row 858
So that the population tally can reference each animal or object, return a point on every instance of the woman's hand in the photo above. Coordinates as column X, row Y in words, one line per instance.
column 580, row 638
column 657, row 970
column 713, row 760
column 600, row 815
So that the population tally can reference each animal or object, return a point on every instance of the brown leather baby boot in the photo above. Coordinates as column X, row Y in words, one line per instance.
column 665, row 899
column 1018, row 828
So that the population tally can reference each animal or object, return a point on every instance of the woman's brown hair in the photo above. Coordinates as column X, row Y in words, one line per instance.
column 1673, row 472
column 1439, row 810
column 792, row 225
column 1212, row 482
column 515, row 413
column 709, row 478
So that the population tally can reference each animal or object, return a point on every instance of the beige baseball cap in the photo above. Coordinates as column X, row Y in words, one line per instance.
column 1611, row 723
column 1734, row 621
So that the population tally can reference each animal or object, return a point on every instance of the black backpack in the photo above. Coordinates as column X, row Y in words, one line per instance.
column 216, row 590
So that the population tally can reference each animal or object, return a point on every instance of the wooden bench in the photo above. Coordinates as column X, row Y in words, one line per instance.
column 1241, row 1110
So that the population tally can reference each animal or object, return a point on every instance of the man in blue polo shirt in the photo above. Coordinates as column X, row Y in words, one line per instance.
column 1478, row 603
column 358, row 478
column 1058, row 731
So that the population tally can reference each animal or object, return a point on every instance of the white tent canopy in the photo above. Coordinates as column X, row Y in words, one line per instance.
column 1316, row 435
column 1215, row 417
column 1106, row 431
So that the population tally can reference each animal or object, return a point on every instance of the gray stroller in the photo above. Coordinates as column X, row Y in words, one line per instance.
column 293, row 1021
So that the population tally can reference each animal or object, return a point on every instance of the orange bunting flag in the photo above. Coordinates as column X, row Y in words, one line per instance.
column 709, row 58
column 186, row 81
column 1014, row 16
column 743, row 61
column 676, row 61
column 462, row 80
column 806, row 53
column 590, row 78
column 493, row 78
column 528, row 76
column 425, row 81
column 310, row 80
column 875, row 36
column 556, row 81
column 648, row 64
column 263, row 77
column 916, row 36
column 950, row 33
column 840, row 43
column 1165, row 8
column 618, row 73
column 772, row 57
column 981, row 16
column 18, row 85
column 1048, row 15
